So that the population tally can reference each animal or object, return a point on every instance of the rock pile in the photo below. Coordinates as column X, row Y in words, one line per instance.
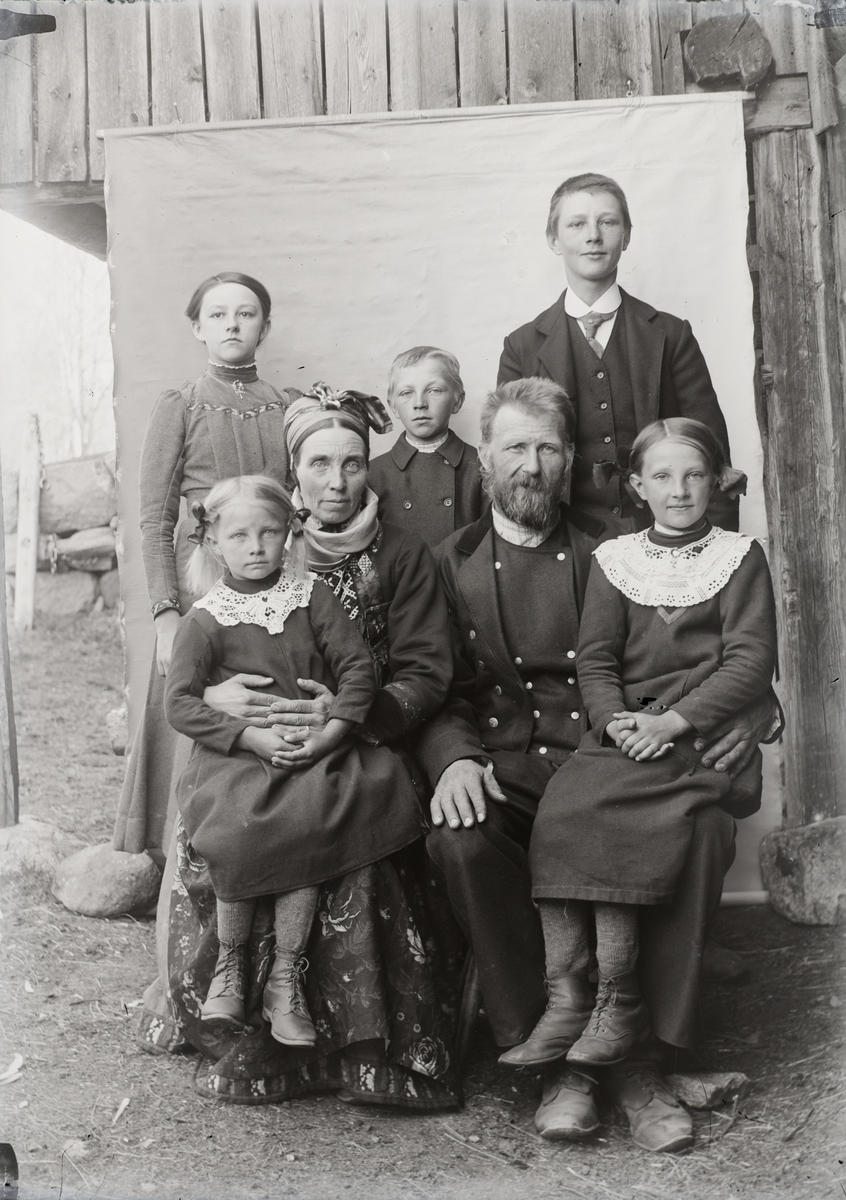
column 77, row 563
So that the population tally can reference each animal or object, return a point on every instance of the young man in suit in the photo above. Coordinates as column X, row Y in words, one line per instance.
column 621, row 361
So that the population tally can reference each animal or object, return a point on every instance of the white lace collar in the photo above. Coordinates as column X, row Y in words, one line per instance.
column 269, row 609
column 674, row 577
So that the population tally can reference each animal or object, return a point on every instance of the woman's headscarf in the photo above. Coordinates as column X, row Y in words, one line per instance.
column 321, row 407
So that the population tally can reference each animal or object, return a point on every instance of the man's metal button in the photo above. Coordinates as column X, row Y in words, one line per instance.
column 406, row 504
column 493, row 722
column 447, row 503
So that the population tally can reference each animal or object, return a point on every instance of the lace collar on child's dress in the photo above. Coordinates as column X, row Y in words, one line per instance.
column 673, row 577
column 270, row 608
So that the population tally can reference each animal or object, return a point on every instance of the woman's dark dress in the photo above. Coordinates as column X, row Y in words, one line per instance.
column 631, row 822
column 375, row 978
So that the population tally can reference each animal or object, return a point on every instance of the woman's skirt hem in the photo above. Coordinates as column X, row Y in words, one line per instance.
column 545, row 891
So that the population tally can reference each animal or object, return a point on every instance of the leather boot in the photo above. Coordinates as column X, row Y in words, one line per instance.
column 224, row 1003
column 656, row 1118
column 567, row 1111
column 284, row 1003
column 567, row 1013
column 619, row 1019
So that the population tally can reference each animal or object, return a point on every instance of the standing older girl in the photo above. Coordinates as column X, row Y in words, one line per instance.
column 228, row 422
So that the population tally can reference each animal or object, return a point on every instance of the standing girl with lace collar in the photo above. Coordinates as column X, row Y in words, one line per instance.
column 678, row 635
column 263, row 830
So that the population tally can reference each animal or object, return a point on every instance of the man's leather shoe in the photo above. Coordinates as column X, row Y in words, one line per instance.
column 656, row 1119
column 567, row 1013
column 567, row 1110
column 619, row 1020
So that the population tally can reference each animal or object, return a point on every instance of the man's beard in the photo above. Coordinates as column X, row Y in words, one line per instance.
column 528, row 500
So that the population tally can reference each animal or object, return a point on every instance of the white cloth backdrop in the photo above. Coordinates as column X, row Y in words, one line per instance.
column 375, row 234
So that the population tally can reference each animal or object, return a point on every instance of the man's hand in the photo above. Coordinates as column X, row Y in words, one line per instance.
column 734, row 743
column 462, row 793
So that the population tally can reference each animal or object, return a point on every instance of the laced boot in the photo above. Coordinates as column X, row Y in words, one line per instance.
column 225, row 1000
column 567, row 1013
column 284, row 1004
column 619, row 1019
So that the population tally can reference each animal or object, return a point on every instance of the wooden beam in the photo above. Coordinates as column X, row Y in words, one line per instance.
column 291, row 66
column 541, row 51
column 16, row 106
column 62, row 103
column 29, row 500
column 8, row 740
column 614, row 49
column 481, row 53
column 176, row 64
column 356, row 51
column 805, row 468
column 421, row 40
column 783, row 103
column 231, row 49
column 835, row 145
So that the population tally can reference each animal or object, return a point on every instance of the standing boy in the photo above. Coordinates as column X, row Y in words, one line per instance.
column 429, row 480
column 622, row 362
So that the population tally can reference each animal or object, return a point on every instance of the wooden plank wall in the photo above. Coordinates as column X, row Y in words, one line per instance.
column 189, row 61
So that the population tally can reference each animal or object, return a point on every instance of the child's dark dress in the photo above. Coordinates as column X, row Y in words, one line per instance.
column 263, row 830
column 432, row 493
column 666, row 625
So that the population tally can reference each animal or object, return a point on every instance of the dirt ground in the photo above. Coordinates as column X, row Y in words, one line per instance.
column 94, row 1116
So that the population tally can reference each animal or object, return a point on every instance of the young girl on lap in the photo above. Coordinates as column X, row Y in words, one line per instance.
column 270, row 818
column 678, row 635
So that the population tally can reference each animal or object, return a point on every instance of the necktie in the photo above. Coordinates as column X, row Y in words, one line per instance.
column 591, row 322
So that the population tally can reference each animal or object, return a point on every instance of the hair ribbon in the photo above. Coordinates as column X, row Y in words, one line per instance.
column 198, row 511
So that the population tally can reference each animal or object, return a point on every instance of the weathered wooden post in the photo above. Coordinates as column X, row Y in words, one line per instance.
column 8, row 741
column 29, row 499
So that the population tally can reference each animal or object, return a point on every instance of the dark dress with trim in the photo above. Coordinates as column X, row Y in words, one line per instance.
column 383, row 952
column 613, row 829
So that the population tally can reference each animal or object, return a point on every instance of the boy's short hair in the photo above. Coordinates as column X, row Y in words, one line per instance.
column 410, row 358
column 590, row 182
column 536, row 396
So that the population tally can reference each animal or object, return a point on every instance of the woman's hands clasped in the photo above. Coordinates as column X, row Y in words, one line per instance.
column 291, row 729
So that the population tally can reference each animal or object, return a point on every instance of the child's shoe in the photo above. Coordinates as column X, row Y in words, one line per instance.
column 567, row 1014
column 619, row 1020
column 225, row 1001
column 285, row 1003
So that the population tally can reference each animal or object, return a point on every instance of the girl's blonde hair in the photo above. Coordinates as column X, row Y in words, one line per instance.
column 683, row 429
column 205, row 568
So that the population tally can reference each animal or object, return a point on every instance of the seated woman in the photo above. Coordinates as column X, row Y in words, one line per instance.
column 382, row 1034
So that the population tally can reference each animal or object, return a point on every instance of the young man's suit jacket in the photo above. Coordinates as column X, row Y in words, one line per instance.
column 668, row 371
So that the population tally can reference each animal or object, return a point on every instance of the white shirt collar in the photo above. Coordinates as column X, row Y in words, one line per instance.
column 517, row 535
column 425, row 447
column 608, row 302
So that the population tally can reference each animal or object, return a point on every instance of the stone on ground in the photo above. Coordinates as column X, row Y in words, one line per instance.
column 32, row 848
column 102, row 882
column 804, row 871
column 109, row 585
column 709, row 1089
column 64, row 595
column 116, row 723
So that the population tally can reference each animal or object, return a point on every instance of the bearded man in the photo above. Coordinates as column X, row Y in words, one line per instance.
column 515, row 583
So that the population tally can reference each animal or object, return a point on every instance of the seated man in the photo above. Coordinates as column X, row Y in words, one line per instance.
column 515, row 582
